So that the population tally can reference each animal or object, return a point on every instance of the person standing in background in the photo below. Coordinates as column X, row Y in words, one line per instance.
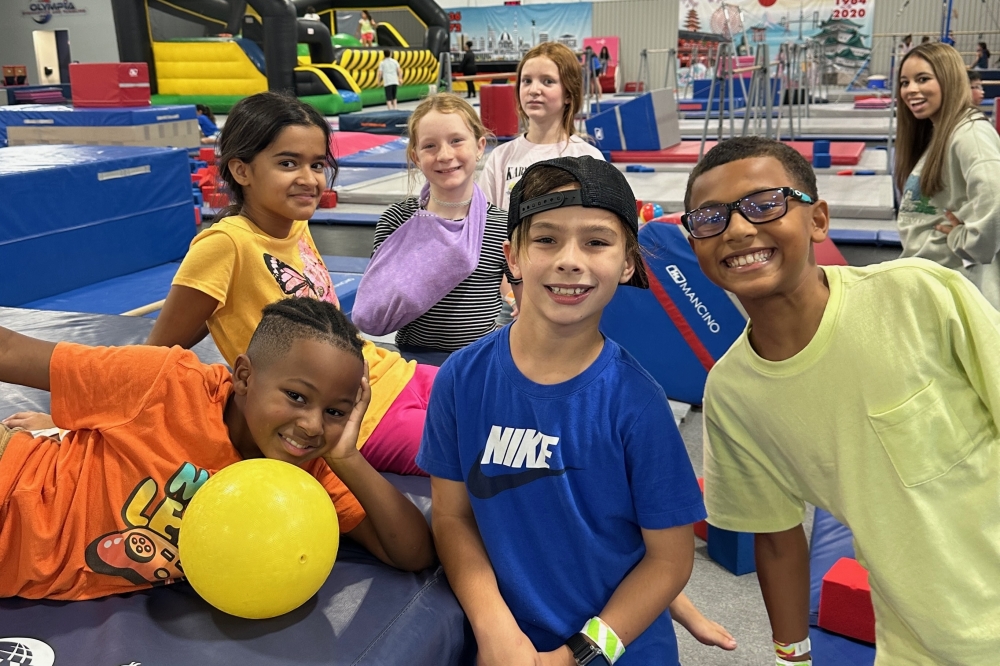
column 468, row 68
column 392, row 75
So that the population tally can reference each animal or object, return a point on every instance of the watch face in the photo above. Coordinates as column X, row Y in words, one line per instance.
column 584, row 651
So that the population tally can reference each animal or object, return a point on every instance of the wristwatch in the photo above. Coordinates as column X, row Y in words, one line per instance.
column 585, row 651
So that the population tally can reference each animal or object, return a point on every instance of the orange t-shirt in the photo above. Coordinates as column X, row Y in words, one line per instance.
column 99, row 513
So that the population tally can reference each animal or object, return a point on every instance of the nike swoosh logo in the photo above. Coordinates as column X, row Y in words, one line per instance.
column 483, row 487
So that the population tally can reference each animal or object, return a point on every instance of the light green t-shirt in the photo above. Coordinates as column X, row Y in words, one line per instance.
column 888, row 419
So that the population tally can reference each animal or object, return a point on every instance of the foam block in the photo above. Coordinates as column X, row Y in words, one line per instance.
column 109, row 84
column 732, row 550
column 845, row 602
column 328, row 199
column 498, row 108
column 821, row 160
column 701, row 527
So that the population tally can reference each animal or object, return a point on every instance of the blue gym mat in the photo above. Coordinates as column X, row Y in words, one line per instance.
column 128, row 292
column 352, row 175
column 59, row 115
column 78, row 215
column 116, row 295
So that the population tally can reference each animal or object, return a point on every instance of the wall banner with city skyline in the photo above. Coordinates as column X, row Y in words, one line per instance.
column 842, row 29
column 507, row 32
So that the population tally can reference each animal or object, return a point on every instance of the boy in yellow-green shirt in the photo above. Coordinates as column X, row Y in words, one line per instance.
column 871, row 392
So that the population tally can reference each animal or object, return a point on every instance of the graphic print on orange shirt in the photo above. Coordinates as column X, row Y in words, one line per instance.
column 146, row 551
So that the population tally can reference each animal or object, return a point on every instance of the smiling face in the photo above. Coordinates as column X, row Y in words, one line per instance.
column 283, row 182
column 919, row 88
column 446, row 151
column 296, row 406
column 541, row 90
column 757, row 261
column 573, row 260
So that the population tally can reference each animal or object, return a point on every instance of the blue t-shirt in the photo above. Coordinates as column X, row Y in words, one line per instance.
column 208, row 128
column 561, row 479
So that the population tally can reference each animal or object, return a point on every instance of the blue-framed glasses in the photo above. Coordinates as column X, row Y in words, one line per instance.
column 757, row 207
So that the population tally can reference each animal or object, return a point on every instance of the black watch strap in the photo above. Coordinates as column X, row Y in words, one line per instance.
column 585, row 651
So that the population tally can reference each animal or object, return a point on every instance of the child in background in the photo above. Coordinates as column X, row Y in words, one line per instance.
column 518, row 460
column 206, row 123
column 871, row 392
column 550, row 94
column 947, row 169
column 149, row 425
column 438, row 258
column 468, row 68
column 391, row 75
column 366, row 28
column 976, row 87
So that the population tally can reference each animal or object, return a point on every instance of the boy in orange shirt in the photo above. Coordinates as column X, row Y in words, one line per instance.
column 100, row 512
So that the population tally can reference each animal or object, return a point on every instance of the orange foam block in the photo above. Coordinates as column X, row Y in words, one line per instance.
column 845, row 601
column 701, row 527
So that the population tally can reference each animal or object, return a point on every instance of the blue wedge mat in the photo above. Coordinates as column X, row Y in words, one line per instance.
column 679, row 327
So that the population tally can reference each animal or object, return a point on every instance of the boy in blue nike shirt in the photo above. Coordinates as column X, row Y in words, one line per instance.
column 562, row 492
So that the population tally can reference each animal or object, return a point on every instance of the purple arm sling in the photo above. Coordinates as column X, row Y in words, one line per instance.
column 420, row 262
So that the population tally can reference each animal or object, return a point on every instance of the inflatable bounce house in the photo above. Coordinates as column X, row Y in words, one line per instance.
column 215, row 52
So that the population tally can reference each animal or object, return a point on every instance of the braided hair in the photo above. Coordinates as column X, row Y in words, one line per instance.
column 290, row 319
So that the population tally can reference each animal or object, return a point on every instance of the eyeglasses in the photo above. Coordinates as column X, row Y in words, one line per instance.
column 757, row 207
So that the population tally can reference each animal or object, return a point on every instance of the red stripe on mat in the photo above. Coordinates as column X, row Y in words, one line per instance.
column 343, row 144
column 675, row 315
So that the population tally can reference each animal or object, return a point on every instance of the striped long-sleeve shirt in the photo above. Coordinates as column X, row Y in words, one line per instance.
column 470, row 310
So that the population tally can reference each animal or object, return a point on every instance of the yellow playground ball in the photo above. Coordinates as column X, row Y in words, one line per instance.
column 259, row 538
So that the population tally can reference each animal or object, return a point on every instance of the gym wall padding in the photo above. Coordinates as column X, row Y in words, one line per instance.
column 76, row 215
column 215, row 67
column 679, row 327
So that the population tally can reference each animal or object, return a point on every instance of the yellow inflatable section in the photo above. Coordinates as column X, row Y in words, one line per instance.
column 205, row 68
column 419, row 66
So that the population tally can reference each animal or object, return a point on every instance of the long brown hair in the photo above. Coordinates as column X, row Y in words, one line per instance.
column 569, row 75
column 916, row 137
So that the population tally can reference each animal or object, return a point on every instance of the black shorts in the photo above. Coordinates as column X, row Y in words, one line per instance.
column 390, row 93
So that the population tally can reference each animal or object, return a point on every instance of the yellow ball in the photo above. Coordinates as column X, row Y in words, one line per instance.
column 259, row 538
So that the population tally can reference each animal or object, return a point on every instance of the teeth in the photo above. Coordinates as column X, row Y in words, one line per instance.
column 559, row 291
column 748, row 259
column 294, row 443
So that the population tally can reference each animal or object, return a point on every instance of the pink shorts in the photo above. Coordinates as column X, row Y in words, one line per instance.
column 367, row 38
column 393, row 445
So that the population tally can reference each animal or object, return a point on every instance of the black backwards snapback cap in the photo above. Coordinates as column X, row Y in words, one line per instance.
column 602, row 185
